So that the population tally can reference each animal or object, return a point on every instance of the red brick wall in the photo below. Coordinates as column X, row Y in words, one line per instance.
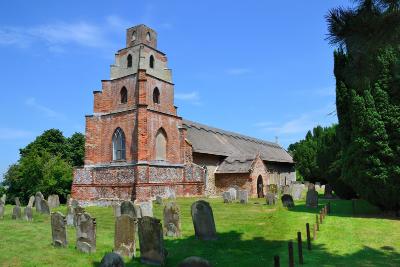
column 258, row 168
column 224, row 181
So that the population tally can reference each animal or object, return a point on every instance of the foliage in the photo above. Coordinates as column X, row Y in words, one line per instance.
column 45, row 165
column 367, row 65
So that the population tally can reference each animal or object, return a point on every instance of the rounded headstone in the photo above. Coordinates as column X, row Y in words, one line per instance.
column 194, row 262
column 112, row 260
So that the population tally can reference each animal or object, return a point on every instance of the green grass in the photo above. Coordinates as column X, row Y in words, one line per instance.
column 249, row 235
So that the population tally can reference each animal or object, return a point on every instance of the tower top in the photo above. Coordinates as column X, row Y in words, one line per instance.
column 141, row 34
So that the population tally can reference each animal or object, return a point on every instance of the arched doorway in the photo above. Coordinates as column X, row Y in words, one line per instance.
column 260, row 187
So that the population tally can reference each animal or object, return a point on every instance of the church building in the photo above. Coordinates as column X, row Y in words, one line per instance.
column 137, row 147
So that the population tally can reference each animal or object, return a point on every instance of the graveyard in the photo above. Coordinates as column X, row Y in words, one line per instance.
column 247, row 235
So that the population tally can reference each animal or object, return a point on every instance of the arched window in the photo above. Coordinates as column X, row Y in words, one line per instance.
column 118, row 142
column 129, row 61
column 151, row 62
column 148, row 39
column 133, row 36
column 156, row 96
column 124, row 95
column 161, row 145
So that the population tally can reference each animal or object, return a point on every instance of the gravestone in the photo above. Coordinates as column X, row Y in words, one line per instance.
column 31, row 201
column 68, row 200
column 4, row 198
column 86, row 233
column 233, row 193
column 74, row 203
column 227, row 197
column 172, row 221
column 70, row 216
column 271, row 198
column 146, row 209
column 44, row 207
column 16, row 213
column 203, row 220
column 124, row 236
column 28, row 215
column 77, row 211
column 243, row 196
column 151, row 241
column 194, row 262
column 286, row 190
column 117, row 210
column 272, row 188
column 287, row 201
column 128, row 208
column 159, row 200
column 312, row 198
column 58, row 231
column 38, row 201
column 53, row 201
column 328, row 191
column 297, row 190
column 2, row 209
column 17, row 202
column 112, row 260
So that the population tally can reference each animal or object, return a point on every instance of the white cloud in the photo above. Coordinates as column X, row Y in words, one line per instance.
column 31, row 102
column 191, row 97
column 11, row 134
column 238, row 71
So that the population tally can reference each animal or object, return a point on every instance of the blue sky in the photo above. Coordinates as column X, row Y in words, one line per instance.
column 260, row 68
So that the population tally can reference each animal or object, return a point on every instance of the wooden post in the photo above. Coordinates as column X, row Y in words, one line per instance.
column 320, row 217
column 317, row 221
column 277, row 261
column 308, row 236
column 315, row 232
column 291, row 256
column 300, row 248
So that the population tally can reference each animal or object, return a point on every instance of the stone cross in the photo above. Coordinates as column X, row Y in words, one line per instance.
column 124, row 238
column 38, row 201
column 31, row 201
column 243, row 196
column 28, row 216
column 151, row 241
column 203, row 221
column 16, row 213
column 86, row 233
column 172, row 221
column 58, row 229
column 287, row 201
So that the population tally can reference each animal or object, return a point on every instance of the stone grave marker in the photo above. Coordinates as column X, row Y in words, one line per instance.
column 227, row 197
column 17, row 202
column 44, row 207
column 328, row 191
column 297, row 190
column 128, row 208
column 58, row 229
column 16, row 213
column 28, row 215
column 233, row 193
column 112, row 260
column 74, row 203
column 243, row 196
column 31, row 201
column 312, row 198
column 70, row 216
column 287, row 201
column 38, row 201
column 146, row 209
column 159, row 200
column 194, row 262
column 69, row 200
column 117, row 209
column 4, row 198
column 53, row 201
column 203, row 220
column 151, row 241
column 78, row 210
column 172, row 221
column 86, row 233
column 124, row 237
column 271, row 198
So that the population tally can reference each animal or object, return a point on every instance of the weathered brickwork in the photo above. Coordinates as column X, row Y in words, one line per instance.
column 258, row 169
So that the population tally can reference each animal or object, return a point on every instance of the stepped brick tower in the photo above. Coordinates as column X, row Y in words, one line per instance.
column 136, row 145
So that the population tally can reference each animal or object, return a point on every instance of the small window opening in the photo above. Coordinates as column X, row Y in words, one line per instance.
column 156, row 96
column 151, row 63
column 148, row 39
column 124, row 95
column 129, row 61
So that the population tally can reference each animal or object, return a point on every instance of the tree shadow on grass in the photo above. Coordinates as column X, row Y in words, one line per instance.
column 232, row 250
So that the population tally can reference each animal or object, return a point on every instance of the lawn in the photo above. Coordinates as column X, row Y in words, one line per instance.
column 249, row 235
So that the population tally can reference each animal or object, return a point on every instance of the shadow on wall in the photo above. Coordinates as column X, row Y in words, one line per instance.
column 231, row 250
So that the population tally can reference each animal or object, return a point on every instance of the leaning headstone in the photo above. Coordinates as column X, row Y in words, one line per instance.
column 194, row 262
column 4, row 198
column 328, row 191
column 117, row 210
column 243, row 196
column 312, row 198
column 296, row 192
column 44, row 207
column 159, row 200
column 233, row 193
column 151, row 241
column 128, row 208
column 112, row 260
column 146, row 209
column 16, row 213
column 172, row 221
column 227, row 197
column 31, row 201
column 58, row 229
column 17, row 202
column 38, row 201
column 287, row 201
column 86, row 233
column 124, row 237
column 271, row 198
column 53, row 201
column 28, row 216
column 70, row 216
column 203, row 221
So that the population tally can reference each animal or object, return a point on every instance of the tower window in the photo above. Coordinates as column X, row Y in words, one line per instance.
column 156, row 96
column 133, row 36
column 161, row 145
column 151, row 63
column 118, row 142
column 148, row 39
column 124, row 95
column 129, row 61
